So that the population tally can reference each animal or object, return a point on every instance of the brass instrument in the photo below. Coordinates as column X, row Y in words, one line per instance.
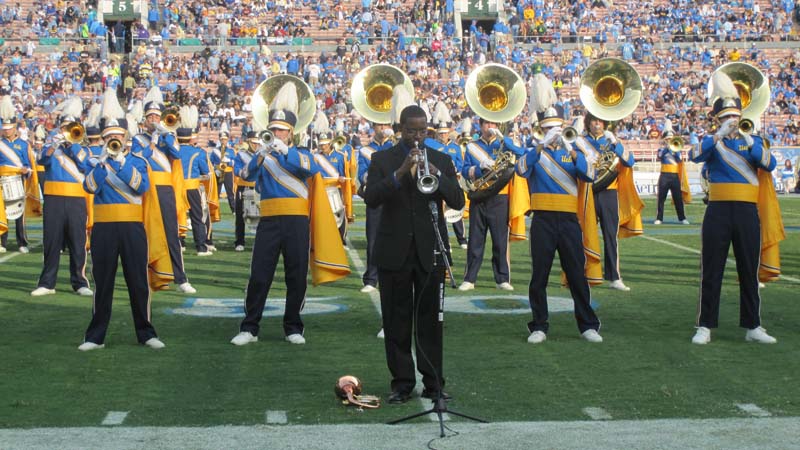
column 348, row 388
column 113, row 147
column 170, row 119
column 338, row 143
column 497, row 94
column 537, row 132
column 675, row 143
column 570, row 135
column 426, row 183
column 752, row 86
column 75, row 133
column 266, row 137
column 610, row 90
column 266, row 92
column 372, row 89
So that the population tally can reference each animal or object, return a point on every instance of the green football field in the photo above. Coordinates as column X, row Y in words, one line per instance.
column 645, row 369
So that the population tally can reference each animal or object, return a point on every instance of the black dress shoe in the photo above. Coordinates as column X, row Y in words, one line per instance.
column 433, row 394
column 399, row 397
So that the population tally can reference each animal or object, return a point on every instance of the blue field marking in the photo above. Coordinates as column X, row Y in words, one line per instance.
column 234, row 307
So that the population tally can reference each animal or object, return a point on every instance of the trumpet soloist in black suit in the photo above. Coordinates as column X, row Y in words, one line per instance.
column 410, row 274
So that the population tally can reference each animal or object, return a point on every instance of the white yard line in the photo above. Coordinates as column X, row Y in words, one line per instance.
column 697, row 252
column 753, row 410
column 276, row 418
column 596, row 413
column 115, row 418
column 739, row 433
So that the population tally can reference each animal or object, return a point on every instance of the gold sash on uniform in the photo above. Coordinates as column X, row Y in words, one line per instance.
column 327, row 259
column 686, row 192
column 159, row 264
column 519, row 203
column 772, row 231
column 630, row 205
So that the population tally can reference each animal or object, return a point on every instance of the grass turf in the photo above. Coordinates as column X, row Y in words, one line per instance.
column 646, row 368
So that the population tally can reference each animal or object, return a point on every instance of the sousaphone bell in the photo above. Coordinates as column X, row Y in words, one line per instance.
column 266, row 92
column 752, row 85
column 372, row 88
column 610, row 90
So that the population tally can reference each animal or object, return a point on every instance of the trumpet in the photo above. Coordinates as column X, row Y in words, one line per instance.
column 537, row 132
column 170, row 119
column 426, row 183
column 746, row 126
column 570, row 135
column 113, row 147
column 339, row 143
column 75, row 133
column 266, row 137
column 675, row 143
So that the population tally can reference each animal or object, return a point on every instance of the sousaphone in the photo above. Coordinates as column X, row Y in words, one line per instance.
column 496, row 94
column 610, row 90
column 372, row 88
column 752, row 85
column 266, row 92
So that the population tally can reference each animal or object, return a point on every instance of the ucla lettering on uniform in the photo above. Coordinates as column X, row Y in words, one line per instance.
column 566, row 159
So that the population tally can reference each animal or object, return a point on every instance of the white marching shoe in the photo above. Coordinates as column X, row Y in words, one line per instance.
column 24, row 250
column 685, row 222
column 84, row 291
column 296, row 338
column 537, row 337
column 463, row 246
column 86, row 346
column 466, row 286
column 187, row 288
column 154, row 343
column 205, row 253
column 657, row 222
column 702, row 336
column 2, row 249
column 239, row 248
column 211, row 248
column 619, row 285
column 381, row 335
column 368, row 288
column 759, row 335
column 244, row 338
column 505, row 286
column 40, row 291
column 592, row 336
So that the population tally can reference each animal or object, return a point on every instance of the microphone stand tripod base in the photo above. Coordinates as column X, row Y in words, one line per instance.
column 439, row 408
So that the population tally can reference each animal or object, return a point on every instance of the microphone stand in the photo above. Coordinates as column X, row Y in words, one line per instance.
column 439, row 403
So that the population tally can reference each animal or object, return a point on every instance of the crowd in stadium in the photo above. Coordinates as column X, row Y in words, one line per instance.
column 418, row 37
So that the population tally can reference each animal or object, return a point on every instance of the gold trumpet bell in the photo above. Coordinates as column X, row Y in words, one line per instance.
column 265, row 93
column 338, row 143
column 495, row 93
column 372, row 89
column 75, row 133
column 170, row 119
column 751, row 84
column 611, row 89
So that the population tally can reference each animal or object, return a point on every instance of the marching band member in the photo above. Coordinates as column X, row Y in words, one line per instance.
column 740, row 194
column 158, row 147
column 281, row 172
column 669, row 180
column 554, row 170
column 332, row 166
column 14, row 160
column 118, row 181
column 208, row 186
column 442, row 119
column 65, row 217
column 609, row 202
column 490, row 215
column 195, row 167
column 222, row 158
column 240, row 162
column 351, row 170
column 381, row 140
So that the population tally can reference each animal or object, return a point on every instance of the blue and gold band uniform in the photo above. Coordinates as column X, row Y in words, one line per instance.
column 553, row 184
column 222, row 160
column 195, row 165
column 240, row 161
column 14, row 156
column 373, row 215
column 607, row 205
column 119, row 233
column 490, row 215
column 731, row 217
column 160, row 157
column 65, row 217
column 453, row 150
column 669, row 182
column 281, row 181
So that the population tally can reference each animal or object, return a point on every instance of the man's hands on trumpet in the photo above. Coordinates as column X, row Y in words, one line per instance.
column 410, row 164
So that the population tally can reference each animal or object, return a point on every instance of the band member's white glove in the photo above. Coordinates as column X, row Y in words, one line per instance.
column 727, row 128
column 496, row 133
column 610, row 137
column 487, row 164
column 279, row 146
column 120, row 157
column 551, row 136
column 388, row 132
column 748, row 138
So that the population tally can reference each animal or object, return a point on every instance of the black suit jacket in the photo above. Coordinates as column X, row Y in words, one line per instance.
column 406, row 215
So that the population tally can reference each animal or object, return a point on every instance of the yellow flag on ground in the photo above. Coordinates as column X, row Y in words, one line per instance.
column 327, row 259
